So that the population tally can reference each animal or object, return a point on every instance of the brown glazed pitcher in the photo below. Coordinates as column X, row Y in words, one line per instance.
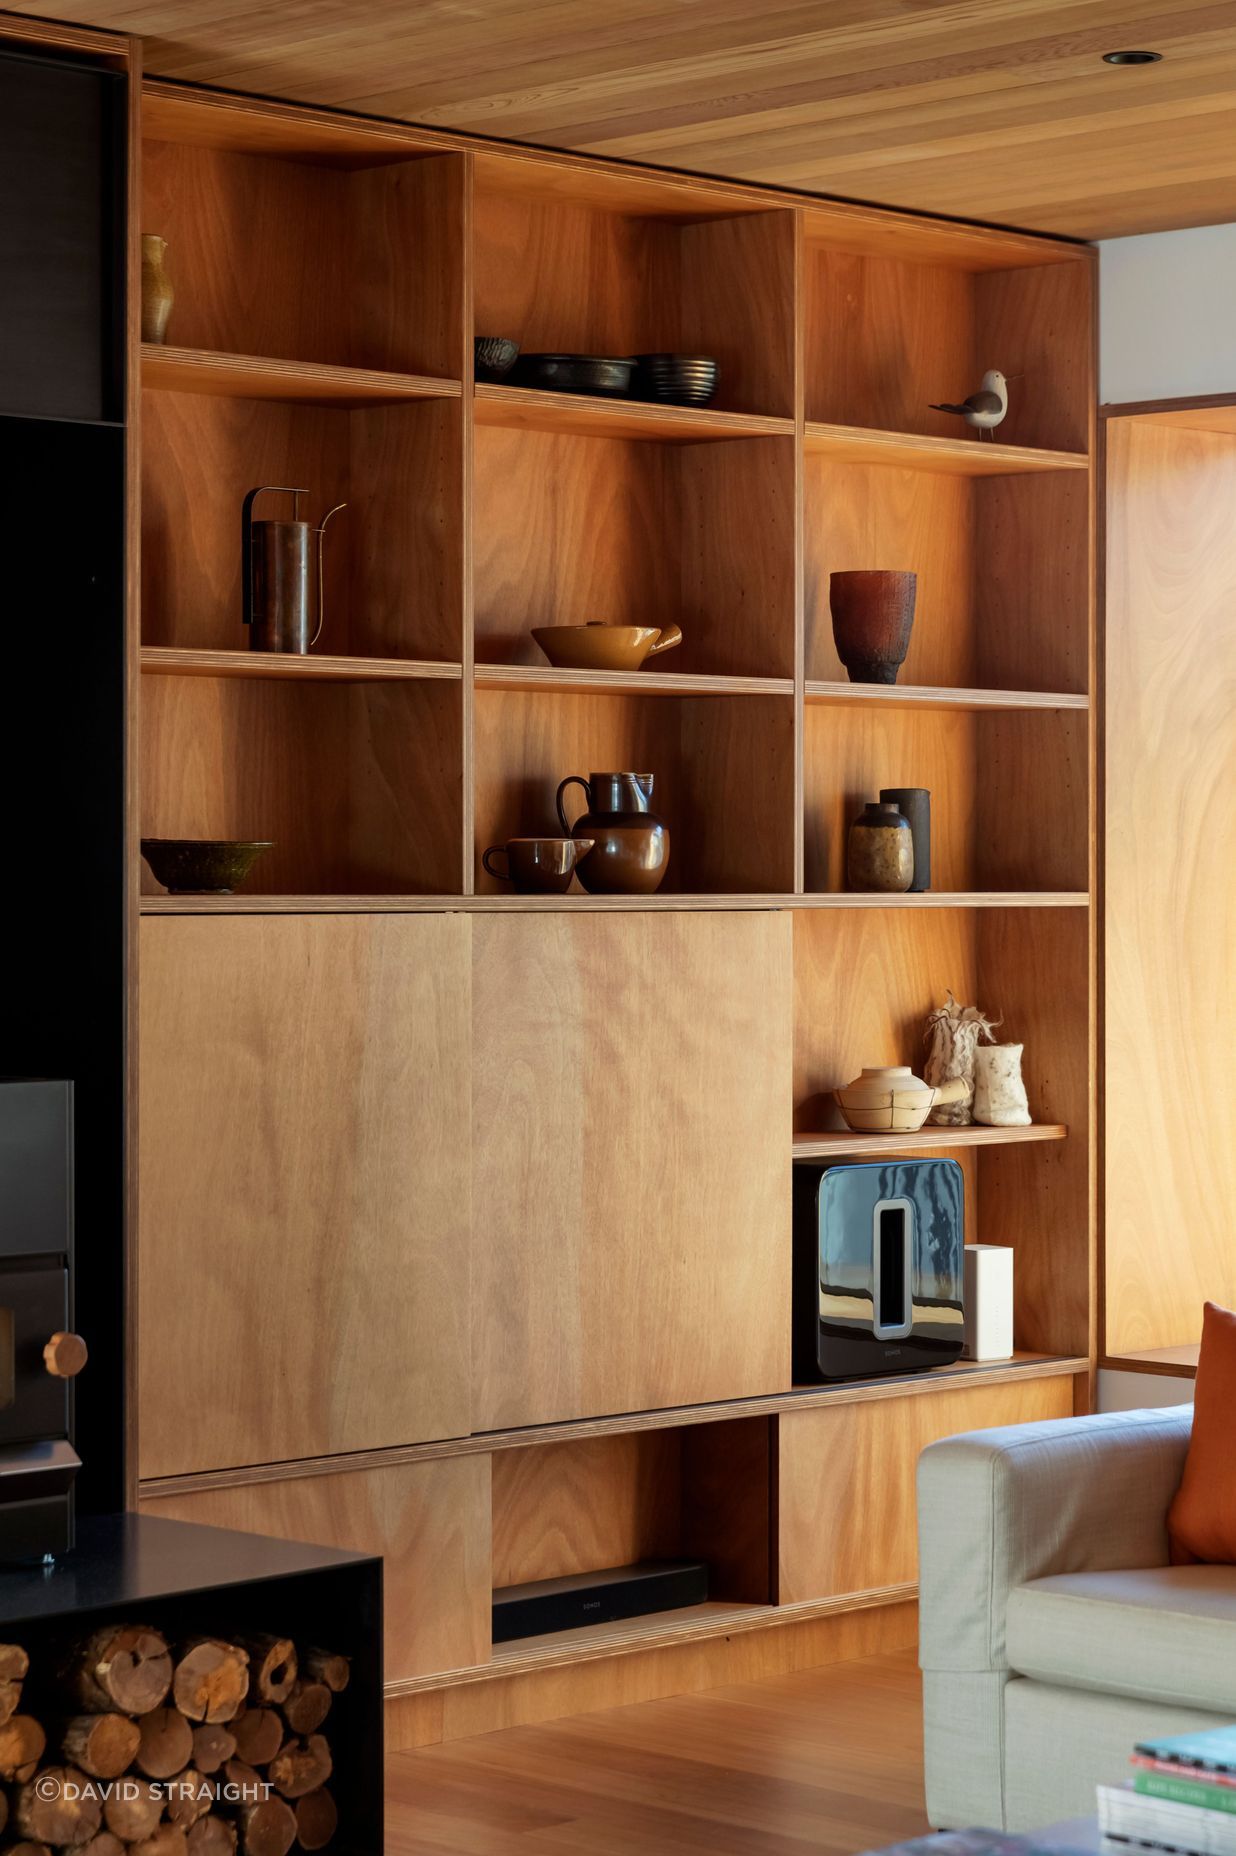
column 631, row 846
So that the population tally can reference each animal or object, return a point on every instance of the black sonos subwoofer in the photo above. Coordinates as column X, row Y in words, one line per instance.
column 879, row 1251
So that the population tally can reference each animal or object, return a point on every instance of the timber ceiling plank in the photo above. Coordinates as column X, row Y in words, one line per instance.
column 992, row 109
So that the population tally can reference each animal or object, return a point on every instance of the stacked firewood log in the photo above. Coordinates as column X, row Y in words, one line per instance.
column 201, row 1748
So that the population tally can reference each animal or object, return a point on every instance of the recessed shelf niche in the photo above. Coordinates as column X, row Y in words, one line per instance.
column 723, row 767
column 620, row 266
column 569, row 529
column 391, row 558
column 342, row 257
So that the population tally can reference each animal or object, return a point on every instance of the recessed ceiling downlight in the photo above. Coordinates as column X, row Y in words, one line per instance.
column 1132, row 57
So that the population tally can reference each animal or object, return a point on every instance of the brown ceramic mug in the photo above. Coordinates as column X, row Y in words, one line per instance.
column 537, row 866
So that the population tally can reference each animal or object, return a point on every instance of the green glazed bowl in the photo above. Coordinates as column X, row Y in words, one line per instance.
column 201, row 866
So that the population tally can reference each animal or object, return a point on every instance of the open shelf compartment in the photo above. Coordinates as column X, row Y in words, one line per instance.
column 1002, row 564
column 358, row 785
column 570, row 529
column 890, row 336
column 864, row 984
column 997, row 824
column 593, row 266
column 589, row 1504
column 723, row 768
column 326, row 253
column 392, row 557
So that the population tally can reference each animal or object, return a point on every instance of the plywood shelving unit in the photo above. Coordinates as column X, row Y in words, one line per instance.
column 604, row 1385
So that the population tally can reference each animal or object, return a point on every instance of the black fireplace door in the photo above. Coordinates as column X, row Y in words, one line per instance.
column 34, row 1305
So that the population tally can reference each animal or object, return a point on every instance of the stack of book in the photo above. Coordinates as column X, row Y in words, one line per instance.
column 1182, row 1796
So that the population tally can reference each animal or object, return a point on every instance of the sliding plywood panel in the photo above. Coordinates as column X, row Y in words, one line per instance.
column 1171, row 880
column 846, row 1505
column 631, row 1108
column 429, row 1521
column 303, row 1260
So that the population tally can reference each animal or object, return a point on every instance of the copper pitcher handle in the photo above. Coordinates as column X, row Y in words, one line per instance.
column 321, row 581
column 572, row 779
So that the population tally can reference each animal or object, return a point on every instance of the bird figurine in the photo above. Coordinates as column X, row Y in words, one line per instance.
column 985, row 409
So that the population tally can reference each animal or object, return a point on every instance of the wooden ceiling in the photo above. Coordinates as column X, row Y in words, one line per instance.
column 994, row 109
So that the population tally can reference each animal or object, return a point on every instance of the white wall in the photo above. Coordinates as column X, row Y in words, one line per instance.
column 1167, row 314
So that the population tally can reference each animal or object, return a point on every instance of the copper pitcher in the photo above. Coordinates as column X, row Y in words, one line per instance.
column 274, row 571
column 631, row 846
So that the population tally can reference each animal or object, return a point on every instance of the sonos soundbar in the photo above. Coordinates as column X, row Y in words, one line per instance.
column 597, row 1597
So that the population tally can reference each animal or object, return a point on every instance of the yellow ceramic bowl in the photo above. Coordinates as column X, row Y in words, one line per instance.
column 598, row 646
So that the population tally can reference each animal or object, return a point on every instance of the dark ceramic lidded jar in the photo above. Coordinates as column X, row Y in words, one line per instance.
column 631, row 846
column 880, row 851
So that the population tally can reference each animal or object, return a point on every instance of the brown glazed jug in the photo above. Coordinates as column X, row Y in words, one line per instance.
column 631, row 846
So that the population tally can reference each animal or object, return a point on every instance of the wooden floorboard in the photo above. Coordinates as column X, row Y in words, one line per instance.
column 826, row 1760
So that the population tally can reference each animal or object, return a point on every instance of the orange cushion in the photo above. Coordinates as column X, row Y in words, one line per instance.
column 1201, row 1523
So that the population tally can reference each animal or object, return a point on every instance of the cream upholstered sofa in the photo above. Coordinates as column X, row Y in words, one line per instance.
column 1053, row 1632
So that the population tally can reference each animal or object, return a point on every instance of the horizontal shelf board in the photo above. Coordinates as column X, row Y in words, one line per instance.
column 1175, row 1362
column 928, row 696
column 758, row 1405
column 947, row 899
column 625, row 682
column 257, row 904
column 531, row 409
column 687, row 1624
column 829, row 1146
column 955, row 457
column 170, row 661
column 256, row 377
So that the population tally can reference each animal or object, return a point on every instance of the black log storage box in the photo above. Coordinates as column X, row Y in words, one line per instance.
column 67, row 406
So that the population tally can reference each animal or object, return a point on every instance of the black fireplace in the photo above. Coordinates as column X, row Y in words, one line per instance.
column 40, row 1354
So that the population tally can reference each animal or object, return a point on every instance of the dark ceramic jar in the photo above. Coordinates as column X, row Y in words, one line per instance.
column 873, row 614
column 631, row 846
column 880, row 851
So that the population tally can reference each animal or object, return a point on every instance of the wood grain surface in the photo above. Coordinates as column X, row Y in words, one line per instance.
column 1006, row 114
column 613, row 1276
column 393, row 581
column 855, row 1524
column 754, row 1652
column 305, row 1195
column 1170, row 835
column 430, row 1523
column 355, row 784
column 722, row 770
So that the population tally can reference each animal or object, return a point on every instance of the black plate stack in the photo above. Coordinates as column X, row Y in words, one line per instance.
column 676, row 379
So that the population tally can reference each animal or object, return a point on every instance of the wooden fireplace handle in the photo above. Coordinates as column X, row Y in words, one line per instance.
column 65, row 1355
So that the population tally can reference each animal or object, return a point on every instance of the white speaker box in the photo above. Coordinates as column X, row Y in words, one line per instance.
column 989, row 1302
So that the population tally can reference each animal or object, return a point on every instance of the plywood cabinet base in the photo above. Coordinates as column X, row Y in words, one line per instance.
column 845, row 1480
column 429, row 1521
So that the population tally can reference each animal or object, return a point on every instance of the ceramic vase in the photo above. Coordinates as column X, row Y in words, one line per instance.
column 158, row 294
column 873, row 614
column 880, row 851
column 914, row 805
column 999, row 1093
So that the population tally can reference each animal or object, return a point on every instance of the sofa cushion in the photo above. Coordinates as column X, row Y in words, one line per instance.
column 1164, row 1634
column 1202, row 1520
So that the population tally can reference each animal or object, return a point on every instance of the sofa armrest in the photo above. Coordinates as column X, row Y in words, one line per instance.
column 997, row 1508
